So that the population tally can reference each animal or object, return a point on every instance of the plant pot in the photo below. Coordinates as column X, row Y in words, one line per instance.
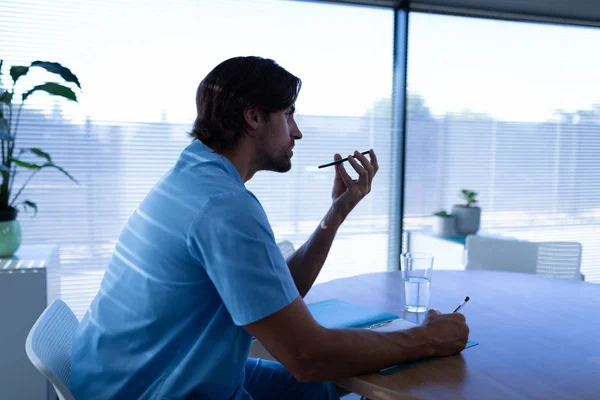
column 10, row 232
column 468, row 219
column 444, row 226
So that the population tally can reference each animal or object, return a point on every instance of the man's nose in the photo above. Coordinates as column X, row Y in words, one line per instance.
column 296, row 134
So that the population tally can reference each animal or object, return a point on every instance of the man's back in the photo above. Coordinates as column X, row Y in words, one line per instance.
column 161, row 325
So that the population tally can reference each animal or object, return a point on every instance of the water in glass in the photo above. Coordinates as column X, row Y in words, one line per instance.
column 416, row 294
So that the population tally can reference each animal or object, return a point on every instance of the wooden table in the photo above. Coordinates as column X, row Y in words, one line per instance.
column 539, row 337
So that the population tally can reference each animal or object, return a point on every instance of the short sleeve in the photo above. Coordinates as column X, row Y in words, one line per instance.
column 232, row 239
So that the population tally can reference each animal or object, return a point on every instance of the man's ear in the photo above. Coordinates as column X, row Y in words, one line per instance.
column 252, row 117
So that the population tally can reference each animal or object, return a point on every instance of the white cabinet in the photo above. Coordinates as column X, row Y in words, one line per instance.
column 448, row 253
column 23, row 297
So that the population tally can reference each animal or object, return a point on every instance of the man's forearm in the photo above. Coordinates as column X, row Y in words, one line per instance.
column 311, row 352
column 351, row 352
column 306, row 263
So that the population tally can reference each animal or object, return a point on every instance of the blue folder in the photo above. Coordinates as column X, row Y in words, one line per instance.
column 337, row 313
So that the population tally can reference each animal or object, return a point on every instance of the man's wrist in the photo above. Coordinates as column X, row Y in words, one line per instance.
column 335, row 216
column 423, row 341
column 426, row 334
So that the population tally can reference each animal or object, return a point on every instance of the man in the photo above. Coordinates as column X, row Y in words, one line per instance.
column 196, row 272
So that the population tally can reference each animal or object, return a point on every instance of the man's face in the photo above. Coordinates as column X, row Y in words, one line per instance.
column 278, row 140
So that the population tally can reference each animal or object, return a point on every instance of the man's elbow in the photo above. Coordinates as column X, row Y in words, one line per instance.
column 307, row 365
column 304, row 372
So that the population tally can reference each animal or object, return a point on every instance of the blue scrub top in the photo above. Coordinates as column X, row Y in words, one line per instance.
column 195, row 262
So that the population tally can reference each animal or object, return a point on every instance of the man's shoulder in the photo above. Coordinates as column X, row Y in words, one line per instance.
column 228, row 208
column 236, row 200
column 201, row 178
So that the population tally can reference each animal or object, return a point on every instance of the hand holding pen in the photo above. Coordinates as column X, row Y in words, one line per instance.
column 448, row 333
column 348, row 192
column 433, row 311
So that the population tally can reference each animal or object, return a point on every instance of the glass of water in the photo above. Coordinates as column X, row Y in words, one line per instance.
column 416, row 273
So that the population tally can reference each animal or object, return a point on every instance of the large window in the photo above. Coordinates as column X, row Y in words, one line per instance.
column 512, row 111
column 139, row 63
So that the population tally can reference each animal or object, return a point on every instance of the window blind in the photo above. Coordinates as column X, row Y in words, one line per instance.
column 510, row 110
column 139, row 64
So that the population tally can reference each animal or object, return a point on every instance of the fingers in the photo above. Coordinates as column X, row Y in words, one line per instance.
column 366, row 165
column 362, row 173
column 337, row 157
column 430, row 316
column 362, row 184
column 341, row 172
column 459, row 317
column 374, row 162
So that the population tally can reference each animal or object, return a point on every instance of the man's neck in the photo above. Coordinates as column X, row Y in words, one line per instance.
column 243, row 159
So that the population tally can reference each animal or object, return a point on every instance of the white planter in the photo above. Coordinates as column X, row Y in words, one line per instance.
column 443, row 226
column 468, row 219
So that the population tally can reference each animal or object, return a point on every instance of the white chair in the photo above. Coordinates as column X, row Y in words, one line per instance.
column 287, row 248
column 48, row 346
column 558, row 259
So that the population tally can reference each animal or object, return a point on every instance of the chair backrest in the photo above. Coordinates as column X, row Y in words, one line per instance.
column 286, row 247
column 560, row 259
column 48, row 345
column 500, row 254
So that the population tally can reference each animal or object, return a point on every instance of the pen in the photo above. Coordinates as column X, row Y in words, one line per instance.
column 339, row 161
column 465, row 302
column 381, row 324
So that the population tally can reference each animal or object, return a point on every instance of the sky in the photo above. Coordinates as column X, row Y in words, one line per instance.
column 512, row 70
column 141, row 61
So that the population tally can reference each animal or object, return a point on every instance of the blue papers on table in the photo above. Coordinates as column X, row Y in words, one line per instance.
column 337, row 313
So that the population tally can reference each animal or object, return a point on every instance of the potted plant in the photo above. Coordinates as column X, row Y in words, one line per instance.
column 13, row 158
column 468, row 216
column 443, row 224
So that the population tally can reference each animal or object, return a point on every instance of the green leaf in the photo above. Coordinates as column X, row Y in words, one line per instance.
column 54, row 89
column 25, row 164
column 40, row 153
column 56, row 68
column 6, row 97
column 46, row 165
column 61, row 170
column 18, row 71
column 31, row 204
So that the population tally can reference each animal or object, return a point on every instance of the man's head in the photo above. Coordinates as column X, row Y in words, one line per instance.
column 249, row 97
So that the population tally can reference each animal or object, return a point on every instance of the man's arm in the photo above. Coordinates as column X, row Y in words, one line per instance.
column 313, row 353
column 306, row 263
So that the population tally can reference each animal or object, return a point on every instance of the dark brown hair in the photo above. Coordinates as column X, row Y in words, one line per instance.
column 230, row 88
